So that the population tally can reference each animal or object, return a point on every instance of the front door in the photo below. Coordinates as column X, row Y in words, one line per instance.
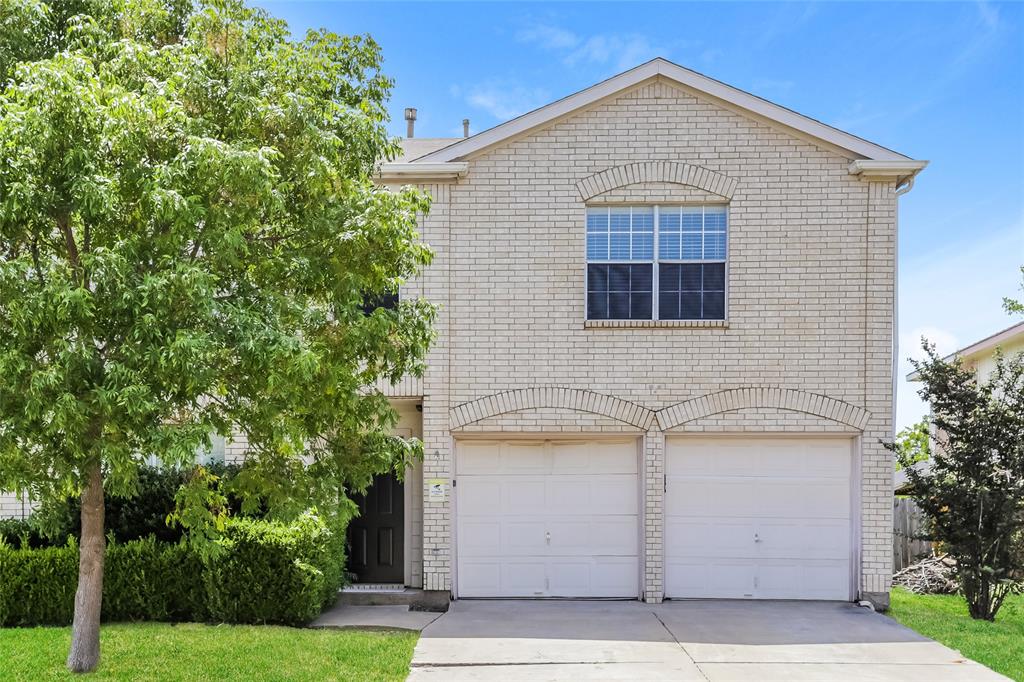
column 376, row 536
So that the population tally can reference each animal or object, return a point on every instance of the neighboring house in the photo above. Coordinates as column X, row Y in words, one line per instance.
column 981, row 358
column 664, row 364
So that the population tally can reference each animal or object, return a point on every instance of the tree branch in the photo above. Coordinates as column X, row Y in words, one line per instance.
column 64, row 225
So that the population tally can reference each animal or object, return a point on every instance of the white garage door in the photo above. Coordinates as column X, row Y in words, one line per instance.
column 761, row 518
column 547, row 518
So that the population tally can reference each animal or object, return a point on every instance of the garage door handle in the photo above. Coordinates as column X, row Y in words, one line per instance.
column 757, row 538
column 547, row 537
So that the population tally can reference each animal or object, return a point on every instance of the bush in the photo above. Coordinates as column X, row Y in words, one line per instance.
column 22, row 533
column 150, row 580
column 142, row 515
column 269, row 572
column 37, row 586
column 262, row 572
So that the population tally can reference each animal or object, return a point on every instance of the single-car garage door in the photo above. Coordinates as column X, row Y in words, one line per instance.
column 547, row 518
column 758, row 518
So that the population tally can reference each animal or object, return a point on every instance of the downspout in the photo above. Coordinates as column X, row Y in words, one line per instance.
column 905, row 185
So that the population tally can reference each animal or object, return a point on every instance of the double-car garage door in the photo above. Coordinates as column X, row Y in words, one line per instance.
column 751, row 517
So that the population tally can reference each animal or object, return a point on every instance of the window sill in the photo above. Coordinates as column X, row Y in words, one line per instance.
column 655, row 324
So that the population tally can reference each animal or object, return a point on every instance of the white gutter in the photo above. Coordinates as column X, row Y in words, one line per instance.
column 903, row 171
column 433, row 171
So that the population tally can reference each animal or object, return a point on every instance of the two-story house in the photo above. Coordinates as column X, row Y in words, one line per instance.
column 665, row 356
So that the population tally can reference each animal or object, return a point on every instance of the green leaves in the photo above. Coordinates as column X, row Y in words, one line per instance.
column 189, row 226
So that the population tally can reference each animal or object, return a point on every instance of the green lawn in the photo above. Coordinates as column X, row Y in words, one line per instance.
column 999, row 645
column 149, row 651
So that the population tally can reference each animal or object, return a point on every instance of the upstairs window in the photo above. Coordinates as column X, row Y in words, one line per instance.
column 656, row 262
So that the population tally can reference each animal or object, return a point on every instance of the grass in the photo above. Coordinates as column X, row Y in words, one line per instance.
column 150, row 651
column 944, row 618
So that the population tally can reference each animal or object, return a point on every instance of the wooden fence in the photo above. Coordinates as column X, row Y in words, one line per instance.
column 907, row 521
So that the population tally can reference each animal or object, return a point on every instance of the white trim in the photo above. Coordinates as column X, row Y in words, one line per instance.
column 691, row 79
column 891, row 169
column 433, row 171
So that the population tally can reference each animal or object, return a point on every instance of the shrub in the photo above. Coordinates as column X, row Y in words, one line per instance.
column 262, row 572
column 150, row 580
column 37, row 586
column 22, row 533
column 132, row 518
column 270, row 572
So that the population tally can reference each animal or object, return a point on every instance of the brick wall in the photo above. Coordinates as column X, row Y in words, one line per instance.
column 811, row 283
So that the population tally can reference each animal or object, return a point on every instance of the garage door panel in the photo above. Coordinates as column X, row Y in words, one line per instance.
column 696, row 497
column 479, row 577
column 758, row 517
column 728, row 538
column 614, row 494
column 482, row 538
column 804, row 538
column 478, row 496
column 527, row 492
column 522, row 537
column 805, row 579
column 593, row 457
column 524, row 458
column 479, row 457
column 602, row 536
column 522, row 578
column 829, row 499
column 704, row 578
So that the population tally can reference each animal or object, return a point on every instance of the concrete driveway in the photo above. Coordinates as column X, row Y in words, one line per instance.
column 688, row 640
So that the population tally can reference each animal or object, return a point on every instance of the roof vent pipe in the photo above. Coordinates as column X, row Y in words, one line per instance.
column 410, row 122
column 465, row 127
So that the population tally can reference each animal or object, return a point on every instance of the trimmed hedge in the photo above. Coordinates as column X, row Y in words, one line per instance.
column 262, row 572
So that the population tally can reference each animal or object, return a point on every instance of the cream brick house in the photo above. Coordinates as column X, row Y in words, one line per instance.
column 664, row 362
column 665, row 354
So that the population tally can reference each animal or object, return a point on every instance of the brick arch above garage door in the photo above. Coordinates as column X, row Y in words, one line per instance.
column 577, row 399
column 763, row 396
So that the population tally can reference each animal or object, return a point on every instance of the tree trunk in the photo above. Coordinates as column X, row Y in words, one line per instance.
column 85, row 631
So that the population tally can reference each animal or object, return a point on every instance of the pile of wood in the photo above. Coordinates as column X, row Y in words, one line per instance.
column 932, row 575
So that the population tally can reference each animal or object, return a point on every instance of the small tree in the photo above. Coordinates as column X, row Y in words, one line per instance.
column 913, row 444
column 1012, row 305
column 188, row 229
column 972, row 491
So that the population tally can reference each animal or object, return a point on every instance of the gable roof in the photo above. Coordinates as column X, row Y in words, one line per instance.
column 989, row 343
column 758, row 106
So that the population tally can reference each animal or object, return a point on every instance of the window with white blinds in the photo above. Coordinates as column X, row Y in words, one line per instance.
column 656, row 262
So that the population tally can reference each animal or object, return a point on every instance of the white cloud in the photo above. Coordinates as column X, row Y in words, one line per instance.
column 623, row 51
column 619, row 50
column 505, row 100
column 953, row 295
column 548, row 37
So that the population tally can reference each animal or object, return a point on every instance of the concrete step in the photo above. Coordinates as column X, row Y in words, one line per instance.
column 414, row 599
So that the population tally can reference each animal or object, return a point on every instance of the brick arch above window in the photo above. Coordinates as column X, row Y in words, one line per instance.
column 763, row 396
column 577, row 399
column 656, row 171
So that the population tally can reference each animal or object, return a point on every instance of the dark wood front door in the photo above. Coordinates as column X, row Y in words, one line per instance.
column 376, row 536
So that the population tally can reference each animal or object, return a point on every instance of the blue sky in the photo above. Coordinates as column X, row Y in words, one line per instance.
column 937, row 81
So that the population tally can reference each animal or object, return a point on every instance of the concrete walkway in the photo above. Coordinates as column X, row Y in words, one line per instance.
column 689, row 640
column 343, row 616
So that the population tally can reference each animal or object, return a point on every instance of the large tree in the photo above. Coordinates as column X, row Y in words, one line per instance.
column 189, row 230
column 972, row 489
